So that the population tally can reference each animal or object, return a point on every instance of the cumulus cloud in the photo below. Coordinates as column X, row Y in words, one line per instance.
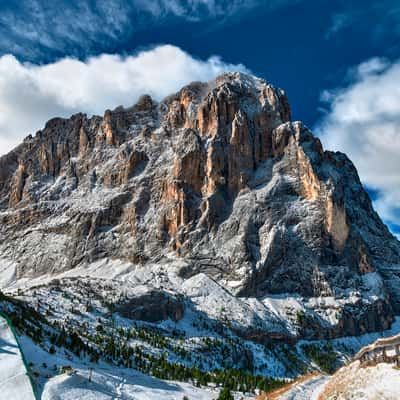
column 363, row 120
column 31, row 94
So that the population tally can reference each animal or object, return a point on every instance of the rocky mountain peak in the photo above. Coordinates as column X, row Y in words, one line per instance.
column 213, row 180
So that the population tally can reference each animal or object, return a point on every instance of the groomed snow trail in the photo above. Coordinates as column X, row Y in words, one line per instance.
column 307, row 390
column 14, row 381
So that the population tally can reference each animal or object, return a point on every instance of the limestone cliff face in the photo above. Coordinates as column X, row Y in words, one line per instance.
column 216, row 176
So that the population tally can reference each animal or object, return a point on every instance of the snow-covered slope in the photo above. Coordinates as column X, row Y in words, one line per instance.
column 309, row 389
column 64, row 376
column 110, row 384
column 88, row 309
column 380, row 382
column 14, row 381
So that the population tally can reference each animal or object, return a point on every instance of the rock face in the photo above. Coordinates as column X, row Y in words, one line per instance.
column 217, row 177
column 153, row 306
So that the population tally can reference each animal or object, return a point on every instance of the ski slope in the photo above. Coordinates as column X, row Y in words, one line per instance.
column 109, row 384
column 14, row 381
column 307, row 390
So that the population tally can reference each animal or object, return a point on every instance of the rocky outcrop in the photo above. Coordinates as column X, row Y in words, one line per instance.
column 152, row 306
column 354, row 320
column 216, row 177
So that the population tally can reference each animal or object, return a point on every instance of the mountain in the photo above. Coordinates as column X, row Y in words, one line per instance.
column 208, row 228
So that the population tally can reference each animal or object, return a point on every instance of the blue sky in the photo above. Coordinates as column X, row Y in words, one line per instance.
column 331, row 57
column 302, row 46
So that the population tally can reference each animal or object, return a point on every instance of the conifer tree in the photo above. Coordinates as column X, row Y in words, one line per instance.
column 225, row 394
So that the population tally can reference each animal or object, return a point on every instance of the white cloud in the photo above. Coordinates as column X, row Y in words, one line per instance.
column 363, row 121
column 31, row 94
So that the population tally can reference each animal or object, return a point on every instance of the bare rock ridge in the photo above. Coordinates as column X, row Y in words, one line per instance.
column 217, row 177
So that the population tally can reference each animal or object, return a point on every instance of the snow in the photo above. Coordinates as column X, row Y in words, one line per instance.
column 219, row 303
column 352, row 344
column 306, row 390
column 14, row 381
column 8, row 272
column 206, row 294
column 380, row 382
column 207, row 304
column 109, row 384
column 373, row 283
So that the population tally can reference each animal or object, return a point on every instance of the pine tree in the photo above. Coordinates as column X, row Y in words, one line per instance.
column 225, row 394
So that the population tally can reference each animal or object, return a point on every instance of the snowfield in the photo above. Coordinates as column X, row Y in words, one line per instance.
column 14, row 381
column 110, row 384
